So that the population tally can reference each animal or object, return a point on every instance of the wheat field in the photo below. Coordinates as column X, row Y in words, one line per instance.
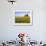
column 22, row 19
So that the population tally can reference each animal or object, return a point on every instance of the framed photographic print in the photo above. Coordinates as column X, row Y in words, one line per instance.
column 23, row 17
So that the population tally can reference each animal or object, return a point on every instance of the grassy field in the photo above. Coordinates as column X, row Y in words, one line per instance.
column 22, row 19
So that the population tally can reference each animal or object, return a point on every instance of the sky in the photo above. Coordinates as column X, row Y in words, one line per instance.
column 21, row 13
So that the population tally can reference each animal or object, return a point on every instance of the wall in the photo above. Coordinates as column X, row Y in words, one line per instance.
column 9, row 31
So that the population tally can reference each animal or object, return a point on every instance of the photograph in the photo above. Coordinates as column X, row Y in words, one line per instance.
column 23, row 17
